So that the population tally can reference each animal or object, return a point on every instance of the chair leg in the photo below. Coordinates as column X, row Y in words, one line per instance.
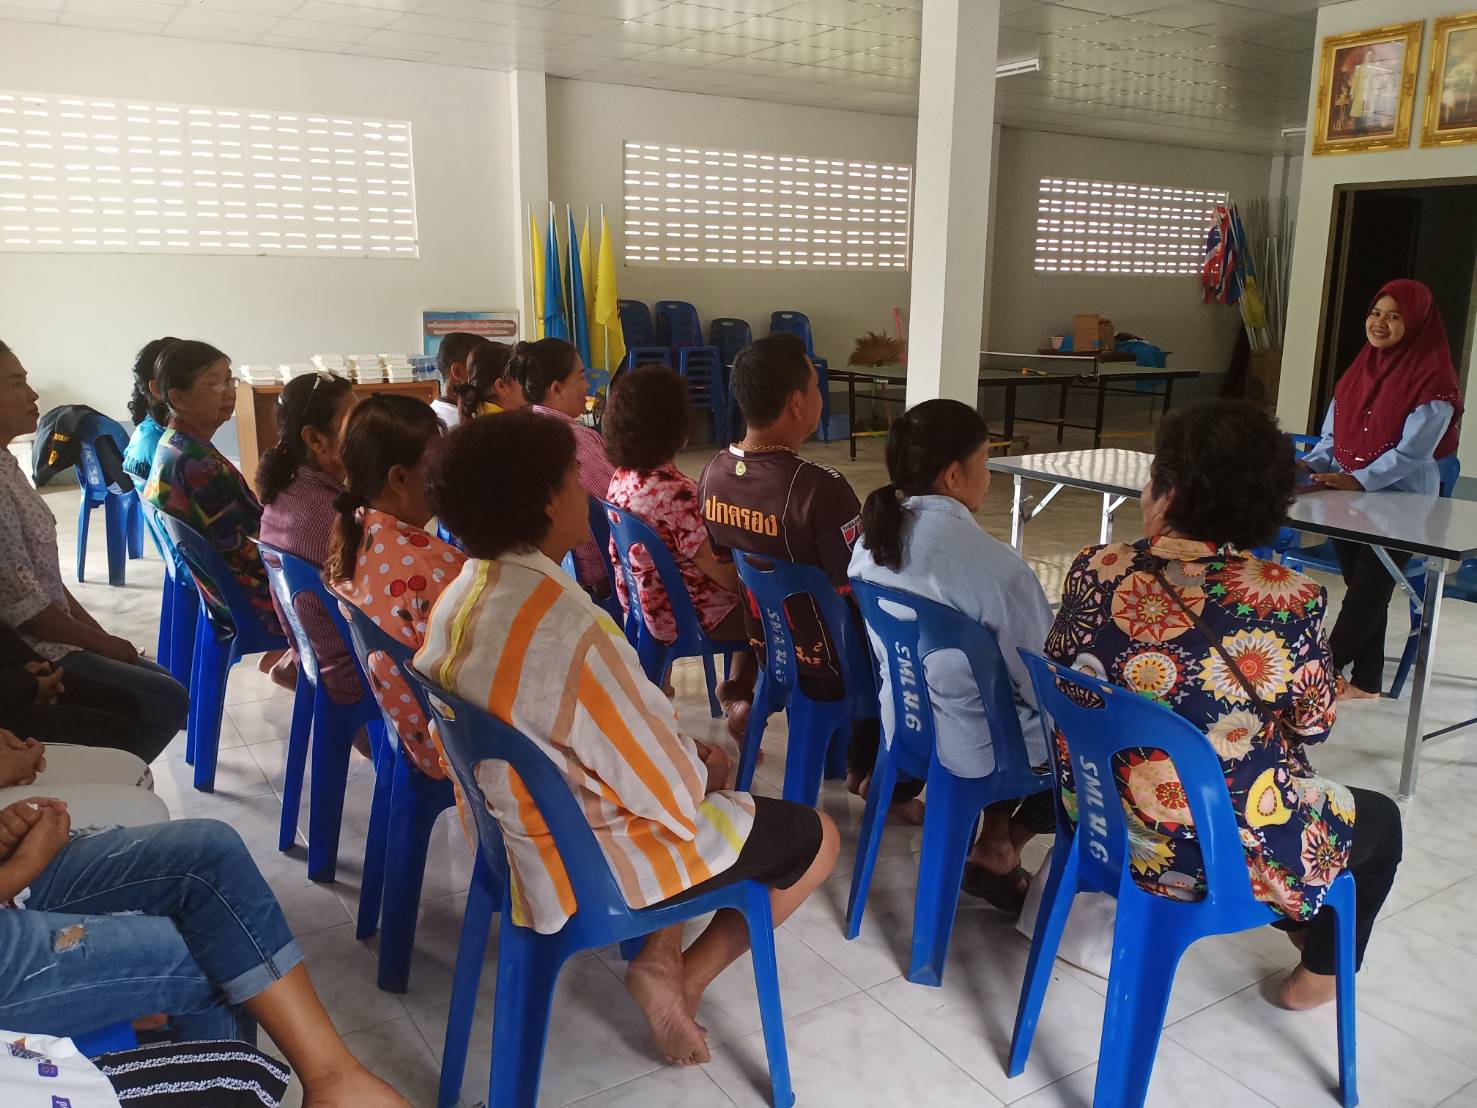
column 753, row 734
column 874, row 819
column 836, row 766
column 84, row 511
column 164, row 647
column 527, row 971
column 1341, row 898
column 334, row 728
column 213, row 660
column 1056, row 905
column 813, row 728
column 948, row 824
column 372, row 887
column 134, row 524
column 470, row 951
column 714, row 708
column 116, row 527
column 1407, row 656
column 767, row 984
column 1139, row 985
column 304, row 708
column 413, row 815
column 185, row 614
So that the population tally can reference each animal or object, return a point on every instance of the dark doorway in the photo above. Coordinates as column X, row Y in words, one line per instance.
column 1383, row 232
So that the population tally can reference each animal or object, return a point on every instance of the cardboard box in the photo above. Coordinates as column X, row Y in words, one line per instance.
column 1091, row 332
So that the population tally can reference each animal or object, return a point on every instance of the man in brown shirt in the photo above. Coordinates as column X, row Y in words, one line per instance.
column 761, row 497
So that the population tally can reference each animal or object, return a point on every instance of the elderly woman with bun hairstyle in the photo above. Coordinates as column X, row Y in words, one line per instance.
column 147, row 410
column 1396, row 412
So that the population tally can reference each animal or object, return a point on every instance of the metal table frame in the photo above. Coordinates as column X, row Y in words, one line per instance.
column 1114, row 494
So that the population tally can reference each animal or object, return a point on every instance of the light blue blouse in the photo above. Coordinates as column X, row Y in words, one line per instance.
column 1408, row 466
column 949, row 558
column 138, row 459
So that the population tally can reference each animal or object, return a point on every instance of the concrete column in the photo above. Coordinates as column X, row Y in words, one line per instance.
column 951, row 197
column 529, row 106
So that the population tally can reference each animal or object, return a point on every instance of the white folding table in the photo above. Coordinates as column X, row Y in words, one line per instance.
column 1442, row 530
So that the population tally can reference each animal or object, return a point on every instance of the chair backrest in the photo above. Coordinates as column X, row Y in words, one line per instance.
column 1301, row 444
column 629, row 531
column 1096, row 720
column 910, row 629
column 289, row 577
column 636, row 326
column 600, row 531
column 772, row 582
column 205, row 562
column 470, row 735
column 1450, row 468
column 730, row 336
column 677, row 324
column 793, row 323
column 174, row 565
column 100, row 459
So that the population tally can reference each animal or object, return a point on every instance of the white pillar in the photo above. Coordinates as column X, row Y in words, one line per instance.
column 529, row 108
column 951, row 197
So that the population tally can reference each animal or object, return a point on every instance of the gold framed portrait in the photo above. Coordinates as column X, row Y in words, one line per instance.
column 1366, row 89
column 1450, row 115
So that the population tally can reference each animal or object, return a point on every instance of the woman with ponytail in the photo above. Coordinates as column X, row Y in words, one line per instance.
column 297, row 480
column 919, row 535
column 384, row 508
column 147, row 410
column 490, row 387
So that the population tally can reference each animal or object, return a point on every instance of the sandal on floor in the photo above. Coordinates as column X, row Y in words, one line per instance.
column 1006, row 891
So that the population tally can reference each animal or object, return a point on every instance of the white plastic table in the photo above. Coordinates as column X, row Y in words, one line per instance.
column 1443, row 530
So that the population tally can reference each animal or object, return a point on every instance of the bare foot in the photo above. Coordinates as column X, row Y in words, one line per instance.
column 737, row 712
column 1349, row 691
column 356, row 1088
column 150, row 1023
column 908, row 811
column 656, row 984
column 1305, row 989
column 856, row 784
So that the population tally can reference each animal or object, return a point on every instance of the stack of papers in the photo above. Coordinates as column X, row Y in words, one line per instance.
column 259, row 374
column 290, row 370
column 333, row 363
column 365, row 368
column 397, row 367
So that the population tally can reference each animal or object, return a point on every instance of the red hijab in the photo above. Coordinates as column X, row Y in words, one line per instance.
column 1383, row 387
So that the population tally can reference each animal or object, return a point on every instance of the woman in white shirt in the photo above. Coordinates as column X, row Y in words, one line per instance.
column 919, row 535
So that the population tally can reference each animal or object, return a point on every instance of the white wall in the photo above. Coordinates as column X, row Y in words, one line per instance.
column 588, row 123
column 1028, row 307
column 77, row 319
column 1320, row 178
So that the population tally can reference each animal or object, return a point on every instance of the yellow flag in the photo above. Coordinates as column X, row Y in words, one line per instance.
column 585, row 270
column 607, row 342
column 535, row 277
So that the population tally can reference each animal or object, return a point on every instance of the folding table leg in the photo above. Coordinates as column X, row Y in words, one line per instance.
column 1424, row 655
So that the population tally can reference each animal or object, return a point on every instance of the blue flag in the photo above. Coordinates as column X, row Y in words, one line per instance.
column 556, row 325
column 579, row 320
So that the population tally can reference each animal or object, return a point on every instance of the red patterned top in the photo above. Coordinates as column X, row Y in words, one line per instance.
column 666, row 499
column 399, row 576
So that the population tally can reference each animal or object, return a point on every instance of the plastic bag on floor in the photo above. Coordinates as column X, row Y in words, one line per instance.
column 1087, row 940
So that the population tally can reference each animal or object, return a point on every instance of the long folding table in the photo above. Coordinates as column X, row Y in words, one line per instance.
column 1442, row 530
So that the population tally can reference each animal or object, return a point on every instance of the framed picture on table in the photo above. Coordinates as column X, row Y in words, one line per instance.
column 1450, row 116
column 1366, row 89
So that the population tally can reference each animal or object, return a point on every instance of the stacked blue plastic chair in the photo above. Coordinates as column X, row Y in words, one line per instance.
column 1461, row 585
column 730, row 336
column 692, row 641
column 798, row 323
column 701, row 366
column 528, row 962
column 116, row 496
column 911, row 628
column 402, row 815
column 1151, row 932
column 818, row 729
column 332, row 726
column 600, row 531
column 218, row 647
column 179, row 610
column 639, row 334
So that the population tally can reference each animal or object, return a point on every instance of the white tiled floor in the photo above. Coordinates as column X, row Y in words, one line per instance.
column 859, row 1034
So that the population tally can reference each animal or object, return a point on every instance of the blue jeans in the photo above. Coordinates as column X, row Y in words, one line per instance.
column 164, row 704
column 172, row 918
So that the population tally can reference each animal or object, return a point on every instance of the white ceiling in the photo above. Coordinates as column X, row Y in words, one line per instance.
column 1190, row 72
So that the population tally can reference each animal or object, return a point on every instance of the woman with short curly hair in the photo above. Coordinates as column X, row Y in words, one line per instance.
column 646, row 423
column 1235, row 645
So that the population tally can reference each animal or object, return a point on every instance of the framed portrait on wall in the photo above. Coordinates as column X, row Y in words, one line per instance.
column 1450, row 115
column 1366, row 89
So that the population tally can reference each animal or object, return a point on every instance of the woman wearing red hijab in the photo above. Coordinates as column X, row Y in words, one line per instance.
column 1395, row 412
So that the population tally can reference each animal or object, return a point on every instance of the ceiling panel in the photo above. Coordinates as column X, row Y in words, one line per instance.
column 1204, row 72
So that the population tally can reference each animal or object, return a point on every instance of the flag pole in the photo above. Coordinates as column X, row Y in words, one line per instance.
column 571, row 251
column 604, row 330
column 532, row 296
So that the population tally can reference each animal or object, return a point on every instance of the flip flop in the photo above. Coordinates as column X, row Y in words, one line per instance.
column 1006, row 891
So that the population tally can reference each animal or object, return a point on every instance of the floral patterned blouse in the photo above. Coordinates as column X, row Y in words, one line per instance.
column 666, row 499
column 400, row 574
column 1117, row 623
column 196, row 483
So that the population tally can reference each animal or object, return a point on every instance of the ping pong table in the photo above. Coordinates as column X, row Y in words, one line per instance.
column 1012, row 372
column 1440, row 529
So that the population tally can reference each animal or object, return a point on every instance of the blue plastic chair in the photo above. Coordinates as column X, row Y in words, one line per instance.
column 104, row 1040
column 1151, row 932
column 529, row 963
column 218, row 647
column 911, row 628
column 332, row 726
column 729, row 336
column 179, row 601
column 819, row 729
column 611, row 604
column 639, row 335
column 629, row 530
column 402, row 815
column 798, row 323
column 116, row 495
column 699, row 365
